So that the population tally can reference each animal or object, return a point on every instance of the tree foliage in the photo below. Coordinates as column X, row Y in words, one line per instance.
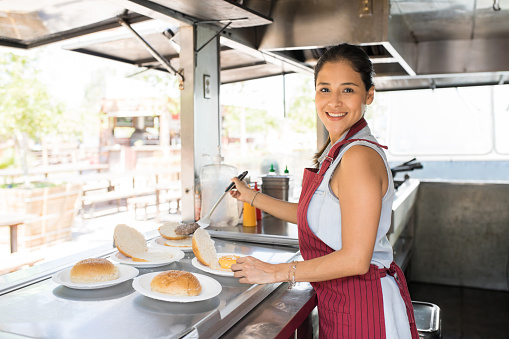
column 256, row 120
column 302, row 112
column 26, row 106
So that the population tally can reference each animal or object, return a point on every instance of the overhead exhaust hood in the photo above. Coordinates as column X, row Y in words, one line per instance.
column 413, row 44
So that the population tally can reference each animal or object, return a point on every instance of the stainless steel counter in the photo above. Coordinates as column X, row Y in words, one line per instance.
column 269, row 230
column 32, row 305
column 41, row 308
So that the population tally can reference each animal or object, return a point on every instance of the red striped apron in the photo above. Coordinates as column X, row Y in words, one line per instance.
column 349, row 307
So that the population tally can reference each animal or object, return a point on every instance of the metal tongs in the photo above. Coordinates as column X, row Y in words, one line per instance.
column 205, row 221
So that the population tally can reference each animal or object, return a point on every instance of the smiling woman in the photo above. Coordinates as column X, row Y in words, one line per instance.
column 343, row 215
column 340, row 98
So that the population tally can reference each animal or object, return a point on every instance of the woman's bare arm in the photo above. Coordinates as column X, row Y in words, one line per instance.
column 280, row 209
column 360, row 183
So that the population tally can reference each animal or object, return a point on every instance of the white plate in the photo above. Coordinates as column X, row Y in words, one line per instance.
column 224, row 273
column 159, row 242
column 209, row 288
column 120, row 258
column 124, row 273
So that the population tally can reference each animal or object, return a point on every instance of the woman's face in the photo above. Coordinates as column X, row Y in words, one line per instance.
column 340, row 97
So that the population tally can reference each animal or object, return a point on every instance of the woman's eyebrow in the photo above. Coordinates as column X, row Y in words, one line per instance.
column 349, row 84
column 343, row 84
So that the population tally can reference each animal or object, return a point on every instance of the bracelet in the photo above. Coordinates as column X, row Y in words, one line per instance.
column 254, row 196
column 291, row 275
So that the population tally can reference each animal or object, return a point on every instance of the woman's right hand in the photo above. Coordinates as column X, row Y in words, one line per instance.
column 242, row 191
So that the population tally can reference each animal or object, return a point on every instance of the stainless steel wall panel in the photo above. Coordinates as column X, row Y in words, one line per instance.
column 401, row 42
column 463, row 56
column 490, row 24
column 462, row 234
column 309, row 23
column 431, row 20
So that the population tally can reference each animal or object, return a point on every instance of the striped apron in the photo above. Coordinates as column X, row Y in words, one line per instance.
column 349, row 307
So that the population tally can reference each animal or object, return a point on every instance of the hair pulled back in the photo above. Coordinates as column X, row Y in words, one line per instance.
column 355, row 56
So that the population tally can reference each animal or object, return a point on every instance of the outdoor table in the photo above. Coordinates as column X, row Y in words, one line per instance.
column 12, row 220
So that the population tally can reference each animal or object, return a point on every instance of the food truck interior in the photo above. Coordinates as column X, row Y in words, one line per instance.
column 451, row 236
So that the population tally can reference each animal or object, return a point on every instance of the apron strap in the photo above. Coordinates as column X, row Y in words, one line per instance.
column 334, row 151
column 396, row 272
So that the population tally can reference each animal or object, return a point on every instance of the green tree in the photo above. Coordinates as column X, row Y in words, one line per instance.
column 302, row 112
column 255, row 120
column 27, row 111
column 26, row 107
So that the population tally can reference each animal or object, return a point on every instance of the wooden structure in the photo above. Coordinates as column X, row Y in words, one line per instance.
column 54, row 209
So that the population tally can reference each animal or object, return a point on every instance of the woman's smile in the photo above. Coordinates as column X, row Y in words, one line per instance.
column 336, row 114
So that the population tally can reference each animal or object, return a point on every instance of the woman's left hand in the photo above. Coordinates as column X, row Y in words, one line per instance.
column 253, row 271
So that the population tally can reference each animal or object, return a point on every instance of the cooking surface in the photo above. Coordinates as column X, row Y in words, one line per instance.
column 46, row 309
column 269, row 230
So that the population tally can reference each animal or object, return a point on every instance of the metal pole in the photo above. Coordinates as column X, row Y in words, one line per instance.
column 166, row 64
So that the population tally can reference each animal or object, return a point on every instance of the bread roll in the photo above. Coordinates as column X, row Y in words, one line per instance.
column 176, row 283
column 167, row 231
column 128, row 240
column 226, row 261
column 152, row 256
column 93, row 270
column 204, row 250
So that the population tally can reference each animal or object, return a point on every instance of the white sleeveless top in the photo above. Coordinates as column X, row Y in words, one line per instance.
column 324, row 219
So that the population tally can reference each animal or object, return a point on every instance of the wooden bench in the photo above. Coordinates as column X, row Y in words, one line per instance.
column 118, row 196
column 13, row 220
column 142, row 202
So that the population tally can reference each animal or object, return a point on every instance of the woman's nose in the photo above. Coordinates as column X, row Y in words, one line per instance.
column 336, row 100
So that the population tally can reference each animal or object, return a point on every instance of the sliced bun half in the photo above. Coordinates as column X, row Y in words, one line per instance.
column 128, row 240
column 152, row 256
column 187, row 242
column 167, row 231
column 93, row 270
column 203, row 248
column 177, row 283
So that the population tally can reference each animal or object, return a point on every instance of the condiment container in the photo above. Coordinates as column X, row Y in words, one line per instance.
column 214, row 179
column 249, row 216
column 276, row 186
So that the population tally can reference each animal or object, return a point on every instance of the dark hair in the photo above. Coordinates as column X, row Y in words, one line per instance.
column 354, row 55
column 360, row 63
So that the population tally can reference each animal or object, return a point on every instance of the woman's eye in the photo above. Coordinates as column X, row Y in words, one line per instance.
column 324, row 90
column 348, row 90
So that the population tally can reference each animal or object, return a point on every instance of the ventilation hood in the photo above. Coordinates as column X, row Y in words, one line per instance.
column 413, row 44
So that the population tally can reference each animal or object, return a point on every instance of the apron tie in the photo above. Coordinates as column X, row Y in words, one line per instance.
column 396, row 272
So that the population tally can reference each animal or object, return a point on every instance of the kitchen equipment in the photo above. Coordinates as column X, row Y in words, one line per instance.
column 428, row 320
column 205, row 221
column 214, row 177
column 276, row 186
column 407, row 166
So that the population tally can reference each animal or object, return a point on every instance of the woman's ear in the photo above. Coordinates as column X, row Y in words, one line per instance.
column 370, row 95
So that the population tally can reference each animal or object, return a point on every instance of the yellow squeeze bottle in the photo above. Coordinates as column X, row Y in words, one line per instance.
column 249, row 218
